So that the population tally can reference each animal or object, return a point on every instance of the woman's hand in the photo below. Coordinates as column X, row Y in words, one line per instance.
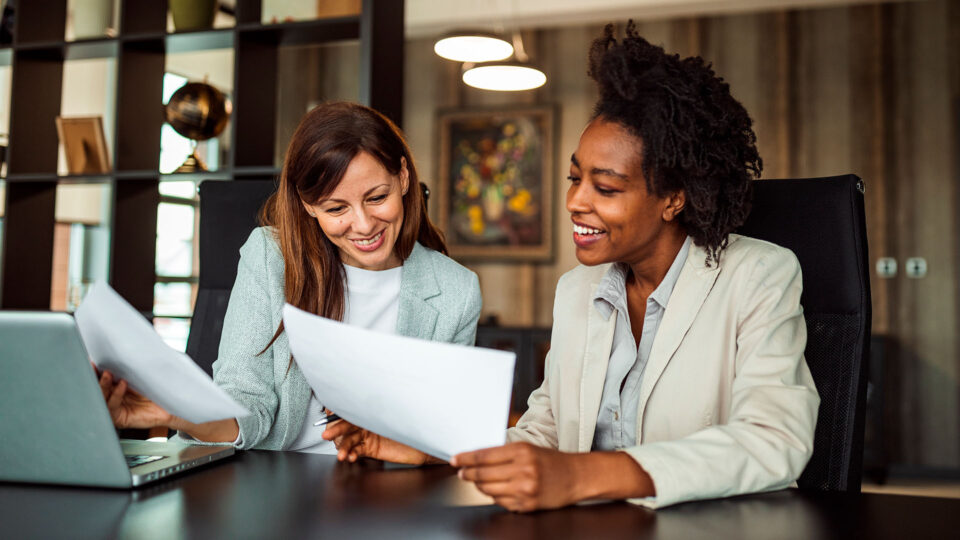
column 519, row 476
column 353, row 442
column 522, row 477
column 128, row 408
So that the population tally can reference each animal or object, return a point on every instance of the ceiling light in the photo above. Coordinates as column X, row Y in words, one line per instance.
column 473, row 47
column 509, row 76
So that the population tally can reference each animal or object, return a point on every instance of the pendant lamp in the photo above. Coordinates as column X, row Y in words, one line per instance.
column 473, row 46
column 504, row 76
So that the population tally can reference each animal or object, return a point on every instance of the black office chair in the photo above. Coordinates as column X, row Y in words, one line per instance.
column 822, row 221
column 228, row 212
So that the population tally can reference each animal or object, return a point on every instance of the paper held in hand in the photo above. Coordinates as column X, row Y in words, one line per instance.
column 119, row 339
column 439, row 398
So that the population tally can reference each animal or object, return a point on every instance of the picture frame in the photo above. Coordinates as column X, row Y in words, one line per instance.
column 495, row 182
column 84, row 144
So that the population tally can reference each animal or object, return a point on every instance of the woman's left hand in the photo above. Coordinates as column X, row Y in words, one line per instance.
column 522, row 477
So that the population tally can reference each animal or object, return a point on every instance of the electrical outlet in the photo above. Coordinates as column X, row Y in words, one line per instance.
column 887, row 267
column 916, row 267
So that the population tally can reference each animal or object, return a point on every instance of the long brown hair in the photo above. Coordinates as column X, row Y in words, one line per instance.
column 324, row 144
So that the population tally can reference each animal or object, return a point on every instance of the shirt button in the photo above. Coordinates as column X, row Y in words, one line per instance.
column 616, row 415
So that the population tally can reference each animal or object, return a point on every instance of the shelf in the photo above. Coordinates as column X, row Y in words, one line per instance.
column 136, row 175
column 256, row 172
column 104, row 178
column 31, row 177
column 133, row 176
column 220, row 174
column 203, row 40
column 65, row 179
column 144, row 36
column 84, row 49
column 52, row 46
column 311, row 32
column 199, row 176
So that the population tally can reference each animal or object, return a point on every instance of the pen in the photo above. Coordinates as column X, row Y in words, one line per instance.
column 326, row 420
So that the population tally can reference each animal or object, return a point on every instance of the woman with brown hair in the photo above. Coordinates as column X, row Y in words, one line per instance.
column 346, row 236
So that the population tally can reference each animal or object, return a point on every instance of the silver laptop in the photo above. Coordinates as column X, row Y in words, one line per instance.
column 54, row 423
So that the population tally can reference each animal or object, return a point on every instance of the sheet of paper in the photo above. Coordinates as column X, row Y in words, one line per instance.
column 439, row 398
column 118, row 338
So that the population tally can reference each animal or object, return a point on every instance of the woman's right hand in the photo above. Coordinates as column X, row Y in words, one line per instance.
column 128, row 408
column 353, row 442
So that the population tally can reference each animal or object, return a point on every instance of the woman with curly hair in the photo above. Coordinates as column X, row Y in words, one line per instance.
column 676, row 367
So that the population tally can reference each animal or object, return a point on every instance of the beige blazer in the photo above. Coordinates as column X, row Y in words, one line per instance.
column 727, row 403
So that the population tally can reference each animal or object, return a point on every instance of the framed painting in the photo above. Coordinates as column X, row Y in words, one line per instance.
column 496, row 183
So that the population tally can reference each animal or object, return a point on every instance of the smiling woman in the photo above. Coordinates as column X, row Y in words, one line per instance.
column 676, row 367
column 344, row 237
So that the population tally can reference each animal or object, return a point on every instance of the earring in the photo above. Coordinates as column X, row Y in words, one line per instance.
column 311, row 214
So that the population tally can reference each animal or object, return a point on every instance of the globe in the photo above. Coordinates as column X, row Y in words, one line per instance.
column 198, row 111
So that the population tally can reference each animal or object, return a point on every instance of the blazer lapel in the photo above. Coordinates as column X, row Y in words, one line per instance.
column 417, row 318
column 596, row 358
column 692, row 288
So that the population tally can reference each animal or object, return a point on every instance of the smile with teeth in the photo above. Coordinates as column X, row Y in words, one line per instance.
column 585, row 231
column 368, row 242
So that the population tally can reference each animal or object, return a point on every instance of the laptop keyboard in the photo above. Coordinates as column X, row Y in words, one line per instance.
column 136, row 461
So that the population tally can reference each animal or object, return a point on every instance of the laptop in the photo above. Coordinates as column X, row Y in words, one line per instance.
column 54, row 424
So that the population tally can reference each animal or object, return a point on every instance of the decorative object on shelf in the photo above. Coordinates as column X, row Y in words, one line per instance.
column 473, row 46
column 337, row 8
column 193, row 14
column 199, row 112
column 83, row 144
column 496, row 183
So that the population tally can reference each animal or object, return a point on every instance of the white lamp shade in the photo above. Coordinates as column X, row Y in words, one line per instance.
column 473, row 48
column 504, row 77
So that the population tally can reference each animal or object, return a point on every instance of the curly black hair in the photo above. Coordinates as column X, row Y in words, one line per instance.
column 695, row 136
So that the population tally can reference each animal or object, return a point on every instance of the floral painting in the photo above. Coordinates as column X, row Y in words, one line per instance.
column 495, row 182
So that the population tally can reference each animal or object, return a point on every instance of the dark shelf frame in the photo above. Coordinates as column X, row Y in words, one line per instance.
column 37, row 56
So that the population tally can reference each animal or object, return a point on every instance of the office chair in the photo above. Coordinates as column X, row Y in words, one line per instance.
column 228, row 212
column 822, row 221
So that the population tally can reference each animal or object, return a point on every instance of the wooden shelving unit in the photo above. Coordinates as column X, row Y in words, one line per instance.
column 37, row 56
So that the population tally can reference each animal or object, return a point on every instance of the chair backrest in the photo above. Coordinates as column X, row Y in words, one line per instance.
column 822, row 221
column 228, row 213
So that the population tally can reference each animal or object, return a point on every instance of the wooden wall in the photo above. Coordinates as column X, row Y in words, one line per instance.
column 867, row 89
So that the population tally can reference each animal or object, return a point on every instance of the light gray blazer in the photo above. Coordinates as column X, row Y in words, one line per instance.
column 439, row 301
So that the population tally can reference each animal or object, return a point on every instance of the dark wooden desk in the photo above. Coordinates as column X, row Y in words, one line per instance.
column 272, row 494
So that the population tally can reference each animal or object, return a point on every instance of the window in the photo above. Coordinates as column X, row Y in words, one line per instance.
column 176, row 262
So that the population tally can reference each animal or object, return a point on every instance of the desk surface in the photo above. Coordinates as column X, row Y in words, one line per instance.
column 283, row 494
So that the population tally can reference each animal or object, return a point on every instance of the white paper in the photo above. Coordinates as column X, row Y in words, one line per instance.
column 439, row 398
column 119, row 339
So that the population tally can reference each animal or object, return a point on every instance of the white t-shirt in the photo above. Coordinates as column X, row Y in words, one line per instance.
column 372, row 302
